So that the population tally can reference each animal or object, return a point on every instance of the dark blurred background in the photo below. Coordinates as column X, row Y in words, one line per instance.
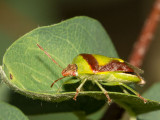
column 122, row 19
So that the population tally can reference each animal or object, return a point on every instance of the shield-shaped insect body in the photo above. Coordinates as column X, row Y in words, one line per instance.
column 101, row 70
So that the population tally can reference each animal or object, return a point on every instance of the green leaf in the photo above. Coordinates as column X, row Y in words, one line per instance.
column 29, row 71
column 98, row 114
column 33, row 72
column 55, row 116
column 70, row 115
column 9, row 112
column 4, row 93
column 152, row 93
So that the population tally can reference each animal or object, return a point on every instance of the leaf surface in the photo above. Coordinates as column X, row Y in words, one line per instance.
column 29, row 71
column 9, row 112
column 152, row 93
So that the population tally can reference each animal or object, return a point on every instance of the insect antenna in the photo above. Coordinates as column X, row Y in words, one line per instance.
column 49, row 55
column 57, row 80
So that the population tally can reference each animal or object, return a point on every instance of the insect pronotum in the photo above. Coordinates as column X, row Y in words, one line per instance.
column 101, row 70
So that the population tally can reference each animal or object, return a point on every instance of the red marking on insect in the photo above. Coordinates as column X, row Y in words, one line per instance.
column 91, row 61
column 114, row 65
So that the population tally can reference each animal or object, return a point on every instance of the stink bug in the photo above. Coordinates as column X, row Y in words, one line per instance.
column 101, row 70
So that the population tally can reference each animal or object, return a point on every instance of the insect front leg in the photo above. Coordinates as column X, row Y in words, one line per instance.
column 104, row 91
column 125, row 86
column 79, row 88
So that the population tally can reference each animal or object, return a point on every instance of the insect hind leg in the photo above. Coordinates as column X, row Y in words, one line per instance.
column 136, row 93
column 127, row 87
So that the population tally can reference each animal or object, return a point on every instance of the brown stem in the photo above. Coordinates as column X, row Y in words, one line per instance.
column 114, row 112
column 146, row 36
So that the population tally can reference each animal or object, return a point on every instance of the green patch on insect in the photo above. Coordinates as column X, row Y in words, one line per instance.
column 101, row 70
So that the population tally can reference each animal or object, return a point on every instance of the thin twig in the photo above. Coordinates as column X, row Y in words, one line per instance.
column 138, row 53
column 146, row 36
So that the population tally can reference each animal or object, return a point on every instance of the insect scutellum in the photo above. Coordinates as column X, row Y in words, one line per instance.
column 101, row 70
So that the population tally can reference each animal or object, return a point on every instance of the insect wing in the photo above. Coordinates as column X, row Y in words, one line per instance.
column 120, row 78
column 136, row 69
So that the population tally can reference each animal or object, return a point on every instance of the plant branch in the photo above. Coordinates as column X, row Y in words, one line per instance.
column 146, row 36
column 137, row 56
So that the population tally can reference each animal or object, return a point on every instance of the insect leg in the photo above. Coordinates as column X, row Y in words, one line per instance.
column 124, row 90
column 72, row 81
column 104, row 91
column 127, row 87
column 79, row 88
column 134, row 92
